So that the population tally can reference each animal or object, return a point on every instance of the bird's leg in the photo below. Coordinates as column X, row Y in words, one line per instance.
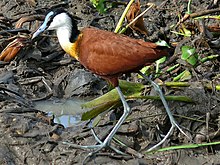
column 172, row 120
column 126, row 112
column 108, row 139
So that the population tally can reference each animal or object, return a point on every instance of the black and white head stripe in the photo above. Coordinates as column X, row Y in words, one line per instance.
column 51, row 14
column 48, row 20
column 49, row 17
column 58, row 19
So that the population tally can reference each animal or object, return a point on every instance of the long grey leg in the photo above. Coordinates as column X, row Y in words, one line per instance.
column 172, row 120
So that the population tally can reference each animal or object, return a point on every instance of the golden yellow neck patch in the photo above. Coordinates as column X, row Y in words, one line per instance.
column 73, row 48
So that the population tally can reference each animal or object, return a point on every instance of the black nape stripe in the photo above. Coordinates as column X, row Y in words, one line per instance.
column 75, row 32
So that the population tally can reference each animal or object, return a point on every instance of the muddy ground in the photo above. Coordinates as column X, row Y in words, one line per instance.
column 43, row 71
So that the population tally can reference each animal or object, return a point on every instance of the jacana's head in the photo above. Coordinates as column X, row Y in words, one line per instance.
column 55, row 19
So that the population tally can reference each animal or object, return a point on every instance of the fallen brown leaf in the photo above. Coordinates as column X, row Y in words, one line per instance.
column 133, row 12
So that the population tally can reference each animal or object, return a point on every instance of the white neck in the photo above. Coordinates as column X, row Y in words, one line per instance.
column 62, row 23
column 63, row 34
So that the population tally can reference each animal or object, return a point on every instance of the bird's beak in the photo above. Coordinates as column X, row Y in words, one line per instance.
column 40, row 30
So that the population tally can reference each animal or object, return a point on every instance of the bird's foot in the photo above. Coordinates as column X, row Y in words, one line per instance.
column 96, row 148
column 173, row 125
column 102, row 145
column 164, row 139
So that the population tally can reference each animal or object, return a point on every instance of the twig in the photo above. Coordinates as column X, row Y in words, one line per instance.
column 188, row 7
column 140, row 15
column 198, row 14
column 123, row 16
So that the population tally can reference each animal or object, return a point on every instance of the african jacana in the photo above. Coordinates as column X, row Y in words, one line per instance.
column 106, row 54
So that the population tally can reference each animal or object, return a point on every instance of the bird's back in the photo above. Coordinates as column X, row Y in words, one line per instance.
column 108, row 54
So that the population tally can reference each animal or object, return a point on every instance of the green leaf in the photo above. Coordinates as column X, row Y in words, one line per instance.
column 217, row 87
column 111, row 99
column 173, row 67
column 177, row 33
column 162, row 43
column 186, row 32
column 187, row 51
column 144, row 70
column 160, row 61
column 212, row 57
column 185, row 75
column 189, row 54
column 99, row 5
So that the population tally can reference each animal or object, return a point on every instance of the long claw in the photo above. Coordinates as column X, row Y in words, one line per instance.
column 172, row 120
column 164, row 139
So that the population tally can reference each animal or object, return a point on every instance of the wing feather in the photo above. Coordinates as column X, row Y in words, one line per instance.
column 106, row 53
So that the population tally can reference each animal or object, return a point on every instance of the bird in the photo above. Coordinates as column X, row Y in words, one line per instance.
column 107, row 55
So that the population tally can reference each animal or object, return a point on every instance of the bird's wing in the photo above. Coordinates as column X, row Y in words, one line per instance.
column 106, row 53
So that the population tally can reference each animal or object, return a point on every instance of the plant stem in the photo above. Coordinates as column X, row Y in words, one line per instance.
column 123, row 16
column 123, row 30
column 188, row 7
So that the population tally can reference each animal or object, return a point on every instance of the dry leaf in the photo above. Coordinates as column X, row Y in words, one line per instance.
column 12, row 49
column 20, row 41
column 133, row 12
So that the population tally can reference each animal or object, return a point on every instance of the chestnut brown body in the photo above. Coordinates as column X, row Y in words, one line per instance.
column 109, row 55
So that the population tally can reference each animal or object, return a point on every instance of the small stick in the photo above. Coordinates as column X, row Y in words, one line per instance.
column 198, row 14
column 123, row 16
column 140, row 15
